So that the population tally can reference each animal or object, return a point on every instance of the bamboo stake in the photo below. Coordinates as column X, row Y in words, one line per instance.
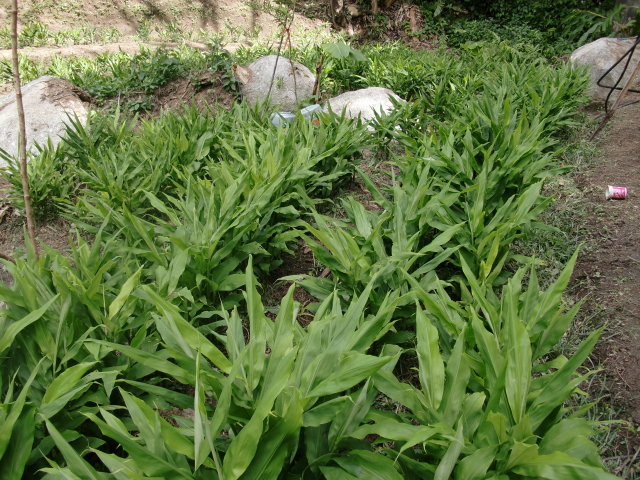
column 22, row 136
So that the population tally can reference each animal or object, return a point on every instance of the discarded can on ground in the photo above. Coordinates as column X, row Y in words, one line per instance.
column 616, row 193
column 311, row 112
column 282, row 118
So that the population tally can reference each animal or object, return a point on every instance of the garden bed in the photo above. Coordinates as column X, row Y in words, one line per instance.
column 188, row 211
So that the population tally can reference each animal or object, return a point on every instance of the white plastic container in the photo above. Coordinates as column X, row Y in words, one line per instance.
column 282, row 118
column 616, row 193
column 311, row 112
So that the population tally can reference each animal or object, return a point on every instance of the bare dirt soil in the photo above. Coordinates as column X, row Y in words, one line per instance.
column 608, row 275
column 232, row 17
column 203, row 90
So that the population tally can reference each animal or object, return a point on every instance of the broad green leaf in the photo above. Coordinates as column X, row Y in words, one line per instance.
column 187, row 332
column 351, row 415
column 562, row 383
column 75, row 462
column 323, row 413
column 277, row 442
column 15, row 457
column 65, row 382
column 363, row 464
column 243, row 448
column 149, row 463
column 457, row 378
column 448, row 462
column 199, row 419
column 560, row 466
column 173, row 438
column 16, row 410
column 519, row 367
column 431, row 366
column 402, row 393
column 353, row 369
column 257, row 326
column 342, row 50
column 10, row 334
column 120, row 468
column 571, row 436
column 475, row 466
column 152, row 361
column 334, row 473
column 124, row 294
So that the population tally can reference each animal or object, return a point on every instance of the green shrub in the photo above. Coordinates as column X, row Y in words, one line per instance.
column 50, row 179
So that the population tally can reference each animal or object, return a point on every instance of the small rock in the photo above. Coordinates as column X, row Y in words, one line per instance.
column 292, row 83
column 362, row 103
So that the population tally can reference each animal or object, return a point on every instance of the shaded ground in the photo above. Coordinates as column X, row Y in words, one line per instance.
column 54, row 233
column 302, row 262
column 608, row 275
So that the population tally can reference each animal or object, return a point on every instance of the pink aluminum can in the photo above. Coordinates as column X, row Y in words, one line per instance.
column 617, row 193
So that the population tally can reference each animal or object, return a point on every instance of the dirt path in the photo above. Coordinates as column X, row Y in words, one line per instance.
column 44, row 54
column 608, row 276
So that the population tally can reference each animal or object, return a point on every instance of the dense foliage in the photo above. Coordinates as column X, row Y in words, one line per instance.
column 148, row 352
column 555, row 27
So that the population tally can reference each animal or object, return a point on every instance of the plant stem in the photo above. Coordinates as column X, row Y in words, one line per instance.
column 316, row 86
column 6, row 257
column 22, row 135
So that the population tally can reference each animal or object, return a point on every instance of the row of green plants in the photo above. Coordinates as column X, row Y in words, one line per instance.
column 116, row 74
column 436, row 76
column 147, row 352
column 36, row 34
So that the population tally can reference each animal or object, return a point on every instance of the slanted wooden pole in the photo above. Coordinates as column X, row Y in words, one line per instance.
column 618, row 101
column 22, row 135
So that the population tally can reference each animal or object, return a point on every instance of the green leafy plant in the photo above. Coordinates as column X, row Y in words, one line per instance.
column 590, row 25
column 285, row 409
column 33, row 34
column 220, row 60
column 382, row 245
column 140, row 105
column 335, row 51
column 482, row 409
column 54, row 305
column 50, row 179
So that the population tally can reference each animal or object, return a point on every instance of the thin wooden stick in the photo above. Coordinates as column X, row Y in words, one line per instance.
column 22, row 136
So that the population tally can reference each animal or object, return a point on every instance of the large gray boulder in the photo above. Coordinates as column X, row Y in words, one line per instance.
column 292, row 83
column 599, row 56
column 48, row 103
column 362, row 103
